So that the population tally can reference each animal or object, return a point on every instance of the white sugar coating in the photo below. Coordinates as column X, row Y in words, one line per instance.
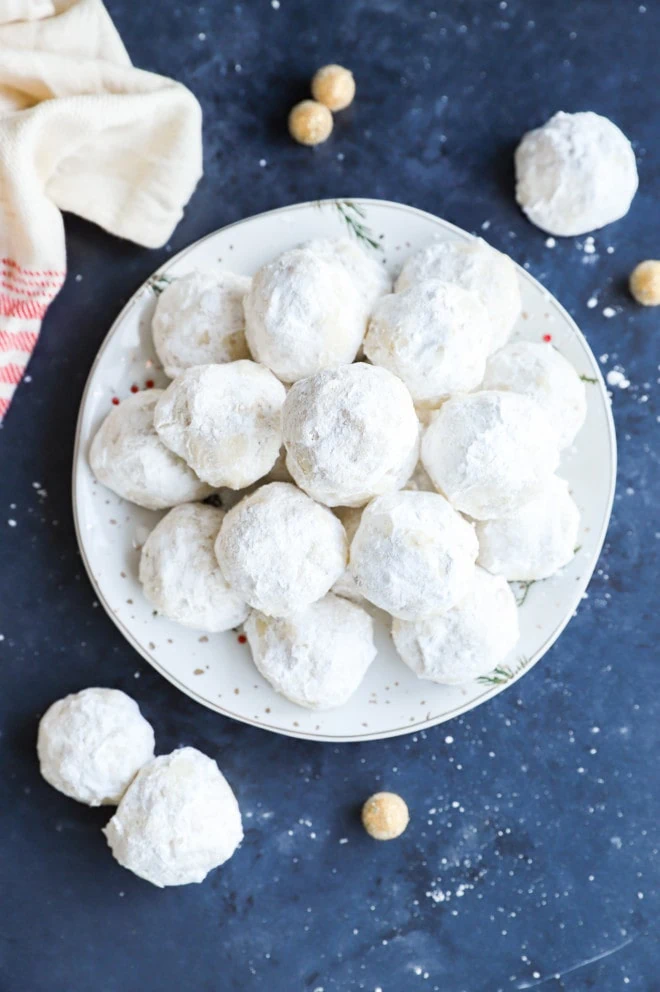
column 350, row 433
column 199, row 320
column 303, row 313
column 466, row 642
column 180, row 573
column 539, row 371
column 280, row 550
column 178, row 820
column 536, row 541
column 128, row 457
column 318, row 657
column 476, row 267
column 490, row 452
column 435, row 336
column 369, row 274
column 92, row 743
column 412, row 554
column 575, row 174
column 225, row 421
column 345, row 586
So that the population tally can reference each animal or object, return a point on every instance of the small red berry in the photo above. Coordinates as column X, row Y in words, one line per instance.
column 547, row 337
column 115, row 401
column 149, row 384
column 242, row 639
column 134, row 388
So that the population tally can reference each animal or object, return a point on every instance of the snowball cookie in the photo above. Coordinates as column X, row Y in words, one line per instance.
column 350, row 433
column 178, row 820
column 490, row 452
column 345, row 586
column 224, row 420
column 536, row 541
column 433, row 335
column 370, row 276
column 476, row 267
column 199, row 320
column 538, row 370
column 92, row 743
column 303, row 313
column 317, row 657
column 180, row 573
column 279, row 550
column 465, row 642
column 128, row 457
column 575, row 174
column 413, row 555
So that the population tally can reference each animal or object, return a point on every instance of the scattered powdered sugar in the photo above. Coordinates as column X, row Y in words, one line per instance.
column 616, row 377
column 318, row 657
column 592, row 302
column 609, row 312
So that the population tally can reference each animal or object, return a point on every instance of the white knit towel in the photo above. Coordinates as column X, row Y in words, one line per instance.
column 82, row 130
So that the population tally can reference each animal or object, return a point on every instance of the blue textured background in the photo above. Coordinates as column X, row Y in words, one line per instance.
column 532, row 855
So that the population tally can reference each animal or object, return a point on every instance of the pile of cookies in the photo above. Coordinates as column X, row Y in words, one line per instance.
column 366, row 448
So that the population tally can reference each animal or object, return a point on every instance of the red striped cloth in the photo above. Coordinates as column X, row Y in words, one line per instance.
column 25, row 295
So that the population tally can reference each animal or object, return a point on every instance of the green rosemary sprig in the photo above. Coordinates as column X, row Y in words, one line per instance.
column 587, row 378
column 354, row 217
column 524, row 588
column 503, row 673
column 159, row 282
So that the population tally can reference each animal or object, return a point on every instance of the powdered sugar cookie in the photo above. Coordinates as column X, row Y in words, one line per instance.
column 279, row 550
column 224, row 420
column 465, row 642
column 476, row 267
column 180, row 573
column 178, row 820
column 303, row 313
column 128, row 457
column 536, row 541
column 490, row 452
column 317, row 657
column 350, row 433
column 92, row 743
column 412, row 554
column 575, row 174
column 369, row 275
column 199, row 320
column 434, row 336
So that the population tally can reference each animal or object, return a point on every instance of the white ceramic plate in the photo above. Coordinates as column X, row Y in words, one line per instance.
column 216, row 669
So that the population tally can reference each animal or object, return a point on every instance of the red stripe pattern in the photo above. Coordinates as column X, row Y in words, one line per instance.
column 25, row 295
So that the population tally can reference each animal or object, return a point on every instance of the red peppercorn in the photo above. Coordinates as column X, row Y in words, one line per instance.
column 149, row 384
column 115, row 401
column 547, row 337
column 134, row 388
column 242, row 639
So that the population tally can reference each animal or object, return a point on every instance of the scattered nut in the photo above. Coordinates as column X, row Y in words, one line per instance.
column 310, row 122
column 385, row 816
column 333, row 86
column 645, row 283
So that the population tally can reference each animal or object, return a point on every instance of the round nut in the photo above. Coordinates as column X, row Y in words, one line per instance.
column 645, row 283
column 310, row 123
column 385, row 816
column 333, row 86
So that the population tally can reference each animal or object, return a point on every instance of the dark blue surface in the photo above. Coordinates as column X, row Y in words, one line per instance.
column 531, row 859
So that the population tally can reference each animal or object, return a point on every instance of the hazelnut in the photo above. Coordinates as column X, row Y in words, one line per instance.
column 310, row 122
column 645, row 283
column 385, row 816
column 333, row 86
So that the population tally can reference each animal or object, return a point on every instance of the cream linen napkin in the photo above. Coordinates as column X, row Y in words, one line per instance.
column 82, row 130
